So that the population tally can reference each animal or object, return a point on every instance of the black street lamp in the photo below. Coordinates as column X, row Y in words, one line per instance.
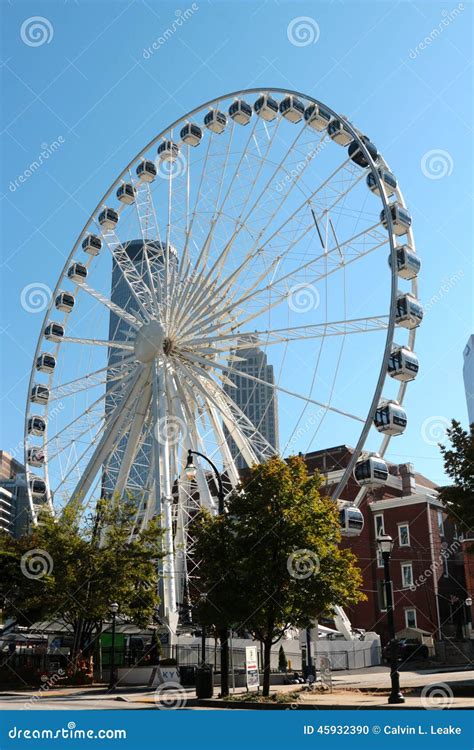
column 113, row 672
column 467, row 615
column 190, row 474
column 385, row 545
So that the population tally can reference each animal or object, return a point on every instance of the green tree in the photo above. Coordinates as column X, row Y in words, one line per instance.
column 282, row 660
column 274, row 561
column 458, row 497
column 72, row 571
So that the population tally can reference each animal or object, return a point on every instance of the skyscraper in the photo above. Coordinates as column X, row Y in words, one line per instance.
column 120, row 330
column 14, row 506
column 468, row 373
column 257, row 400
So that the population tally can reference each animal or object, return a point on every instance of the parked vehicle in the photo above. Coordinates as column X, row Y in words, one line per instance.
column 407, row 648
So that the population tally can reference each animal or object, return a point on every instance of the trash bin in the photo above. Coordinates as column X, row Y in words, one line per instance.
column 187, row 675
column 204, row 682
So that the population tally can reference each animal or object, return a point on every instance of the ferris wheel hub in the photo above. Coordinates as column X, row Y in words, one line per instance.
column 150, row 341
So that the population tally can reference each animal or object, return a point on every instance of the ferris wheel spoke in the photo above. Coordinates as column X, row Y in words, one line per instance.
column 121, row 415
column 72, row 473
column 228, row 461
column 146, row 215
column 251, row 443
column 98, row 342
column 145, row 210
column 203, row 255
column 257, row 246
column 107, row 374
column 62, row 441
column 130, row 273
column 187, row 261
column 128, row 317
column 238, row 223
column 200, row 322
column 241, row 373
column 215, row 314
column 109, row 393
column 180, row 400
column 241, row 340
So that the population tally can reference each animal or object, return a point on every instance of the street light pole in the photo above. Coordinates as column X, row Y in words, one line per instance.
column 190, row 472
column 113, row 676
column 467, row 616
column 385, row 544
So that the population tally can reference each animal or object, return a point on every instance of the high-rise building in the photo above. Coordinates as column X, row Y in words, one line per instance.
column 468, row 373
column 120, row 330
column 256, row 400
column 14, row 508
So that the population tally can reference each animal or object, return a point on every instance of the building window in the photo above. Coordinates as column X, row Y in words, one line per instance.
column 410, row 618
column 379, row 559
column 403, row 535
column 445, row 566
column 440, row 523
column 407, row 575
column 379, row 527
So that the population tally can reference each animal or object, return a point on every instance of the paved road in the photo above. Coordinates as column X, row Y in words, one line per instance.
column 68, row 699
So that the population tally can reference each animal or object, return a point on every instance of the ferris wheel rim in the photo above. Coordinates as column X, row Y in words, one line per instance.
column 356, row 134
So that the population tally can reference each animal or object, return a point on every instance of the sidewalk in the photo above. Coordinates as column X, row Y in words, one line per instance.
column 368, row 689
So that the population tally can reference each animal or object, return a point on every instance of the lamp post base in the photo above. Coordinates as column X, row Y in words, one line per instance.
column 396, row 698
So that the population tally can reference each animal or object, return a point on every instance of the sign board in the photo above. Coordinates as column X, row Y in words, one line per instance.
column 251, row 668
column 325, row 671
column 163, row 675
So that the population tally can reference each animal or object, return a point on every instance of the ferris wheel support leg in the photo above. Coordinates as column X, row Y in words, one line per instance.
column 228, row 460
column 163, row 500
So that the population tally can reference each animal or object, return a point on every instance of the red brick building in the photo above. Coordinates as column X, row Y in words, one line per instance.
column 427, row 563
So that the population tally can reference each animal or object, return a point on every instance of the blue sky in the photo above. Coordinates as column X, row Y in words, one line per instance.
column 92, row 88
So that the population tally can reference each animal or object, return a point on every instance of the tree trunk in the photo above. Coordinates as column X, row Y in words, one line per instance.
column 267, row 651
column 223, row 637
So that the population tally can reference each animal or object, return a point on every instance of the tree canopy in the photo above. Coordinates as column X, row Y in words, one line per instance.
column 68, row 570
column 458, row 497
column 274, row 560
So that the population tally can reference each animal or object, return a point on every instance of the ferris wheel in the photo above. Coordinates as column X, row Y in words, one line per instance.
column 261, row 221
